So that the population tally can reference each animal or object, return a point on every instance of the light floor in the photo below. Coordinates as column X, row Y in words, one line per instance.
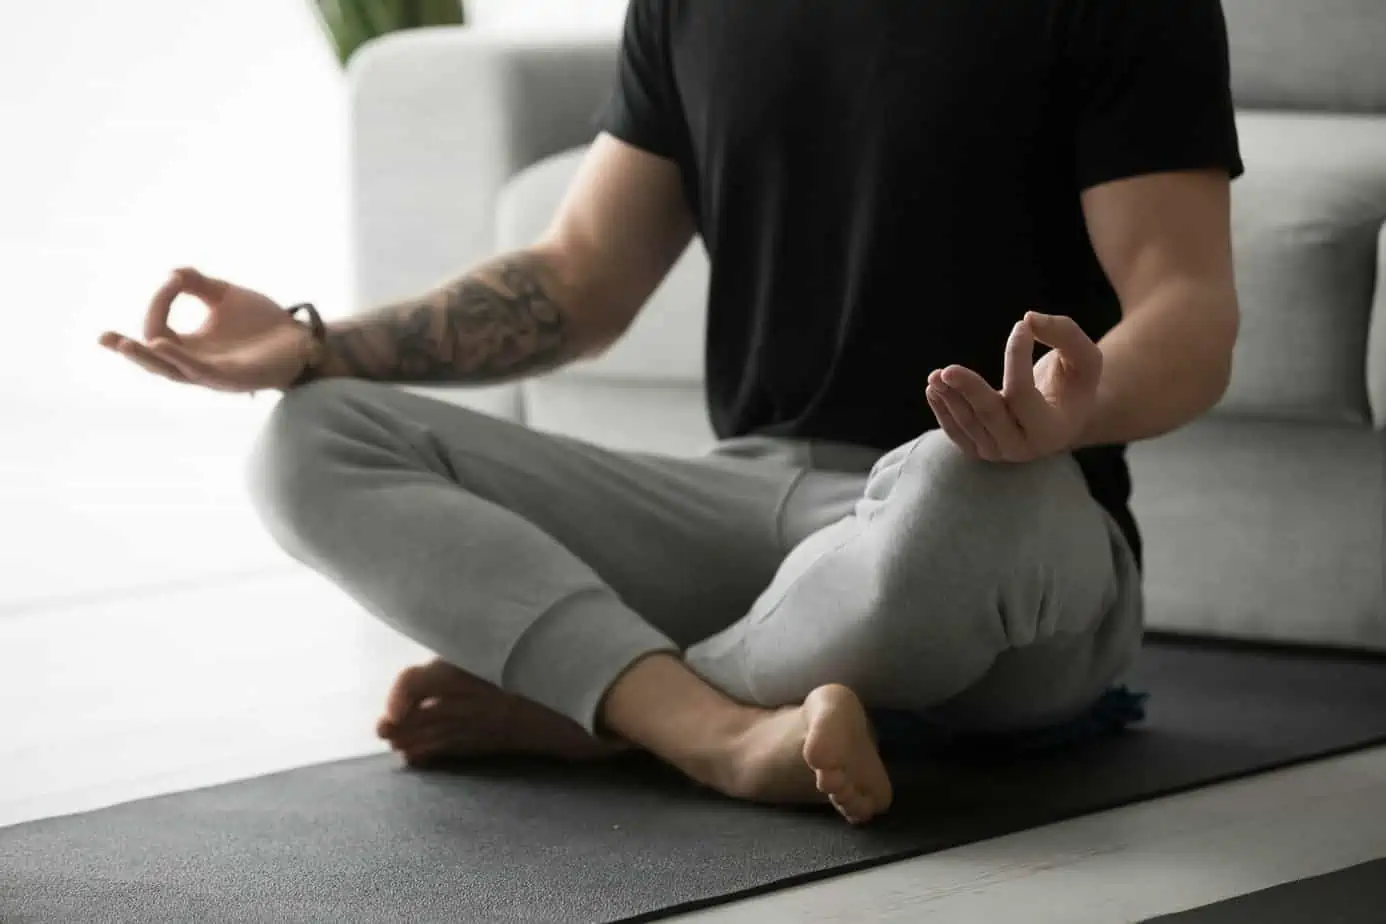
column 151, row 641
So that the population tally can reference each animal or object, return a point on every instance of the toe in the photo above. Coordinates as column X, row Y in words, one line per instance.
column 870, row 802
column 841, row 750
column 848, row 801
column 421, row 748
column 405, row 694
column 830, row 781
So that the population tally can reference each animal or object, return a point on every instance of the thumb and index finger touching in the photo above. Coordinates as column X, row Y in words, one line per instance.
column 1060, row 332
column 183, row 281
column 1075, row 347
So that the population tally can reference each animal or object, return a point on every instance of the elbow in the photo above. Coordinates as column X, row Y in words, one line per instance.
column 1219, row 381
column 603, row 321
column 596, row 309
column 1224, row 326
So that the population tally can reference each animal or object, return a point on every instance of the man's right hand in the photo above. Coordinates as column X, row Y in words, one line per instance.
column 247, row 343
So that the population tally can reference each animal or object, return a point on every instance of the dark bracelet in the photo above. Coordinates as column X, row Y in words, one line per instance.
column 319, row 330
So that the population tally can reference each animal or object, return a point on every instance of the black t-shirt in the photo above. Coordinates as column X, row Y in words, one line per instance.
column 884, row 187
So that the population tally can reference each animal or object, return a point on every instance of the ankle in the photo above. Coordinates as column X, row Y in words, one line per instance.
column 735, row 748
column 708, row 744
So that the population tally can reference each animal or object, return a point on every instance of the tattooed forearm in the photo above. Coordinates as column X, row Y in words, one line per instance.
column 498, row 323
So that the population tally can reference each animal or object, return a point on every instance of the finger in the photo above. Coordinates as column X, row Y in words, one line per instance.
column 948, row 423
column 207, row 288
column 1019, row 377
column 1062, row 333
column 1027, row 404
column 184, row 280
column 156, row 316
column 141, row 355
column 193, row 367
column 967, row 419
column 990, row 411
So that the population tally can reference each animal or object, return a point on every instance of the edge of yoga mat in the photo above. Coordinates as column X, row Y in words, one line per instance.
column 1036, row 820
column 1326, row 891
column 1326, row 653
column 857, row 866
column 1304, row 651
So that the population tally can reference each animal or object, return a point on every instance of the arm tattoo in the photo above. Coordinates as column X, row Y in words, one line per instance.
column 493, row 325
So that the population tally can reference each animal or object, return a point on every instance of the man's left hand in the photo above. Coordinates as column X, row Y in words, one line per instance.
column 1042, row 408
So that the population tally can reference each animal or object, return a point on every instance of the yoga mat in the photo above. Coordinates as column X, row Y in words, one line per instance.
column 1351, row 896
column 362, row 840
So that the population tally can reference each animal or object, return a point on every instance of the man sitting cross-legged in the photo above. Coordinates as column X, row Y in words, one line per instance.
column 905, row 510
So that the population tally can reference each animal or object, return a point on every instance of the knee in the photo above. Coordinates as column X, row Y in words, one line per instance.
column 292, row 458
column 994, row 542
column 959, row 501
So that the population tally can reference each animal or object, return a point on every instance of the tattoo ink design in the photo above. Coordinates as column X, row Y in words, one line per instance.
column 491, row 326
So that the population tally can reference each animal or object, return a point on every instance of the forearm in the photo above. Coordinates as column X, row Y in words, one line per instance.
column 1165, row 364
column 506, row 319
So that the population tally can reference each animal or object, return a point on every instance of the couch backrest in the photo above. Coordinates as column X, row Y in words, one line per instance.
column 1308, row 219
column 1317, row 55
column 646, row 392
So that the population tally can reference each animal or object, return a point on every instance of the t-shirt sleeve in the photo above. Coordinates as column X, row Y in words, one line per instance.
column 640, row 110
column 1153, row 89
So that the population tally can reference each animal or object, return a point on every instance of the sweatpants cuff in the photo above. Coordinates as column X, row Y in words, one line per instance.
column 572, row 654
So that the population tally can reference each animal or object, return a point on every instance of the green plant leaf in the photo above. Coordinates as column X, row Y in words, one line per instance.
column 339, row 28
column 381, row 17
column 351, row 23
column 439, row 12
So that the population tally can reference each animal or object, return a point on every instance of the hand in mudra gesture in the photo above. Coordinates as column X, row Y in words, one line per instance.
column 247, row 343
column 1041, row 409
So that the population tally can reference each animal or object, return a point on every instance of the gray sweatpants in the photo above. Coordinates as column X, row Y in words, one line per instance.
column 989, row 596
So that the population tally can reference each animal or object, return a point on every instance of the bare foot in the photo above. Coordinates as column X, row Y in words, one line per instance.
column 436, row 711
column 823, row 750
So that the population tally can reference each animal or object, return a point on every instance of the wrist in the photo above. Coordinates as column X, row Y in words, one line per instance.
column 313, row 347
column 1091, row 432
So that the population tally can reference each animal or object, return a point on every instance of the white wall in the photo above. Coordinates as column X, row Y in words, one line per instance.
column 140, row 136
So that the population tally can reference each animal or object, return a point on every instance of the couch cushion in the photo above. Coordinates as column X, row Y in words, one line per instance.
column 1306, row 217
column 665, row 344
column 1264, row 530
column 1308, row 54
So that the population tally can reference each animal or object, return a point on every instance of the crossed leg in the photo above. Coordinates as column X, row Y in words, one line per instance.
column 439, row 712
column 523, row 561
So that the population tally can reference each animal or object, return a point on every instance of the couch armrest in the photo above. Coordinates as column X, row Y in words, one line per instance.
column 440, row 118
column 1376, row 340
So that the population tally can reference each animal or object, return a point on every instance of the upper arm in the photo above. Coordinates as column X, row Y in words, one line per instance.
column 1155, row 145
column 622, row 225
column 1163, row 229
column 626, row 220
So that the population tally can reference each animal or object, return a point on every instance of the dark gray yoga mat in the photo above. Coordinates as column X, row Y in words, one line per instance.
column 1351, row 896
column 362, row 841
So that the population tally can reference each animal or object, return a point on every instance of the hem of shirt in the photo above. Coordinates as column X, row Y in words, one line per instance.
column 622, row 130
column 1135, row 168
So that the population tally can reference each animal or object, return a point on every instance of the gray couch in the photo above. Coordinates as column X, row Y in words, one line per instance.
column 1266, row 520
